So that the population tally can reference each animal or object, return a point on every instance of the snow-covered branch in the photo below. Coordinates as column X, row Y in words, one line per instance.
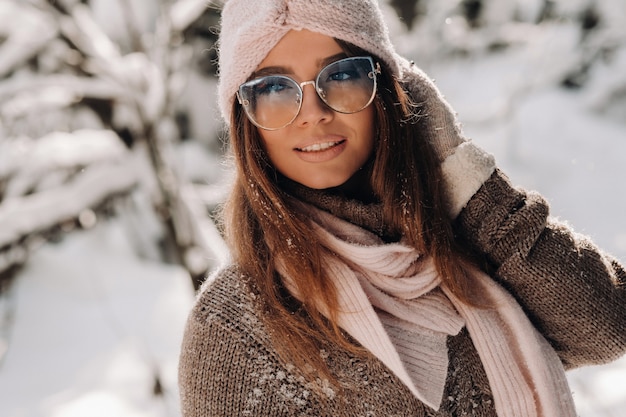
column 83, row 73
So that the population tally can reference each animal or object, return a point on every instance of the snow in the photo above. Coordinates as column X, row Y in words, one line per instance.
column 97, row 318
column 93, row 325
column 36, row 199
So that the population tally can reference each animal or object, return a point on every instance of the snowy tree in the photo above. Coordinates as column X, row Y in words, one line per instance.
column 116, row 97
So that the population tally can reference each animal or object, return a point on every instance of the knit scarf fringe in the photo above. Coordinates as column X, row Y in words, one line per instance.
column 392, row 302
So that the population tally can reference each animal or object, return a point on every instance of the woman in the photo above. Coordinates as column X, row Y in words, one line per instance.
column 382, row 264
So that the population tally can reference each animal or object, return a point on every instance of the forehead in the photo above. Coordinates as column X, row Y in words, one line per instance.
column 301, row 50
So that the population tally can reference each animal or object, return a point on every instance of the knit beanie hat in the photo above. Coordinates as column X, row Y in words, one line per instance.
column 250, row 29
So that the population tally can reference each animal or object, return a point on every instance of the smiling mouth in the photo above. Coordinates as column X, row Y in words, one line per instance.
column 318, row 147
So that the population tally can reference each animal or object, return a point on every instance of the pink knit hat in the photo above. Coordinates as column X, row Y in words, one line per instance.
column 250, row 29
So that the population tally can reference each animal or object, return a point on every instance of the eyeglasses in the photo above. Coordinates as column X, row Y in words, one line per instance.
column 274, row 101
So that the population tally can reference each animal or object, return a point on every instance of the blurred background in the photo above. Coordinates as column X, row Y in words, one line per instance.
column 112, row 165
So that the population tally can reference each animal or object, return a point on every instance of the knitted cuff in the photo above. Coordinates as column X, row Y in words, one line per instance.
column 481, row 219
column 463, row 173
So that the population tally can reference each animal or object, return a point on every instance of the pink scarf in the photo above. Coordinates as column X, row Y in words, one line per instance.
column 391, row 302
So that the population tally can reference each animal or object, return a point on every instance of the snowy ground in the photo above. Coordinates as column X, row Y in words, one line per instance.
column 94, row 325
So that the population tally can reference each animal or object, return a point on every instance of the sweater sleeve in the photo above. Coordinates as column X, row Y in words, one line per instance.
column 573, row 292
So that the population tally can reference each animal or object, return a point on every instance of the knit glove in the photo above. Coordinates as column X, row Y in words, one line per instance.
column 442, row 127
column 465, row 166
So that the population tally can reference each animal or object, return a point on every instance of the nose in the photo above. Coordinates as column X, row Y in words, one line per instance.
column 313, row 110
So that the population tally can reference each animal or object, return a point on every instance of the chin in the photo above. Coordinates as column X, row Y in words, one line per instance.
column 321, row 184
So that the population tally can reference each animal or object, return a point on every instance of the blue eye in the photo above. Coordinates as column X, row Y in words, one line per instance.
column 344, row 76
column 271, row 85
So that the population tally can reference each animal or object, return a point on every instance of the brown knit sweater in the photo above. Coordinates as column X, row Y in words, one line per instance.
column 573, row 293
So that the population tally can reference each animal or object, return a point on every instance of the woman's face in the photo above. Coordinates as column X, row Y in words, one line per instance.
column 321, row 148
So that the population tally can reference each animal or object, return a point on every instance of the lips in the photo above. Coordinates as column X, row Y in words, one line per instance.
column 322, row 146
column 321, row 149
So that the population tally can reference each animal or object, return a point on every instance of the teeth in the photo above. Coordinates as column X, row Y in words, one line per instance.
column 319, row 147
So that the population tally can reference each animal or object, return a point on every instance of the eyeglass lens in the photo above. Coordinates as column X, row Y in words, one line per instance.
column 274, row 101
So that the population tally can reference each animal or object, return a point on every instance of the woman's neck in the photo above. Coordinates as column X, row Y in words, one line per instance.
column 358, row 188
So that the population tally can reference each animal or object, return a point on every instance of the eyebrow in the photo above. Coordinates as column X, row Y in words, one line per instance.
column 274, row 70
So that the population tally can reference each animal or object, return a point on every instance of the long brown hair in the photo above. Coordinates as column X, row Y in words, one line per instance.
column 261, row 225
